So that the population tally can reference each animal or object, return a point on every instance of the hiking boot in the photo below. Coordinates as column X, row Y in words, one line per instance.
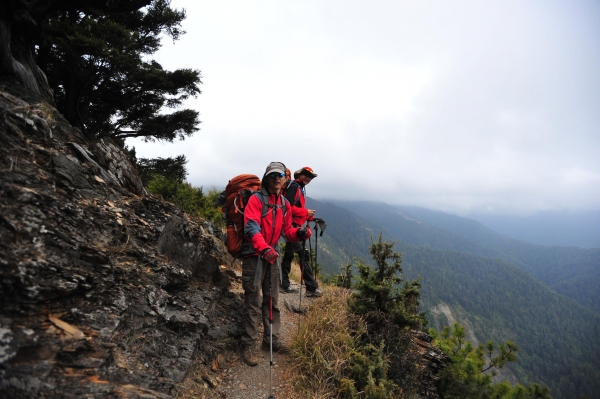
column 288, row 290
column 315, row 293
column 277, row 347
column 249, row 357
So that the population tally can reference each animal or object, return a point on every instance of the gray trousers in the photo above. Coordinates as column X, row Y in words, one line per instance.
column 255, row 304
column 286, row 266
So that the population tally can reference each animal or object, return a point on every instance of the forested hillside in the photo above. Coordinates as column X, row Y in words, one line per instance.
column 570, row 271
column 558, row 337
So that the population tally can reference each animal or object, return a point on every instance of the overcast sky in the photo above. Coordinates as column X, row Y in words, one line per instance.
column 463, row 106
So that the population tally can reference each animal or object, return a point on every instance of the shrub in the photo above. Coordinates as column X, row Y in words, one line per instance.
column 188, row 198
column 381, row 289
column 471, row 369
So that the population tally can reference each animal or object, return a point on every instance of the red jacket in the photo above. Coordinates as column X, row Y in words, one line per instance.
column 263, row 231
column 295, row 194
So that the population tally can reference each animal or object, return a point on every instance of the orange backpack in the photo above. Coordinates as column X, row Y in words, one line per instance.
column 237, row 193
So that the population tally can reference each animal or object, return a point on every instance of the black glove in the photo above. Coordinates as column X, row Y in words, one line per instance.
column 301, row 232
column 304, row 233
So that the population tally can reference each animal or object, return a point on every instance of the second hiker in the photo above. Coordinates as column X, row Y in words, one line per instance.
column 296, row 195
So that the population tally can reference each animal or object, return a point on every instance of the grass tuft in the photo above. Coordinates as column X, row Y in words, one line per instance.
column 323, row 346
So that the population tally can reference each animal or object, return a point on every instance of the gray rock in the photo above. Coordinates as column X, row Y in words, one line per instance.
column 201, row 255
column 70, row 170
column 81, row 241
column 111, row 157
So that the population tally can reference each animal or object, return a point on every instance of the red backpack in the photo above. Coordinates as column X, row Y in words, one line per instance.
column 237, row 193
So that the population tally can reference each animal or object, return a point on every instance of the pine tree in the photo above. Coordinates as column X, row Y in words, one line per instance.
column 96, row 63
column 172, row 168
column 469, row 373
column 389, row 305
column 344, row 279
column 95, row 56
column 383, row 290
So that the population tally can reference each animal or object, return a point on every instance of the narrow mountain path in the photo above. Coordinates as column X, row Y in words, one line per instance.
column 241, row 381
column 230, row 378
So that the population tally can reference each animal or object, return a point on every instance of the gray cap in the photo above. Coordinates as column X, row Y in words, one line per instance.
column 275, row 167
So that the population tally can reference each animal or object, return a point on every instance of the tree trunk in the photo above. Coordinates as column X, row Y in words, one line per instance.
column 17, row 32
column 71, row 111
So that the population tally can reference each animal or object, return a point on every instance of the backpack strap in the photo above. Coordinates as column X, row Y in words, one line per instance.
column 288, row 184
column 266, row 205
column 295, row 203
column 283, row 206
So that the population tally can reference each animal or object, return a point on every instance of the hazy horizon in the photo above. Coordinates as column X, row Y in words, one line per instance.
column 548, row 228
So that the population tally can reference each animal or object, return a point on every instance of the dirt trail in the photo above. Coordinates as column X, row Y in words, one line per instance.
column 233, row 379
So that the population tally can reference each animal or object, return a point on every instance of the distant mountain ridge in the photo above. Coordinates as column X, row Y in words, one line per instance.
column 570, row 271
column 483, row 280
column 562, row 228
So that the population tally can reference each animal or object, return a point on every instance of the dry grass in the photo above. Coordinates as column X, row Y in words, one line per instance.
column 323, row 345
column 193, row 386
column 295, row 272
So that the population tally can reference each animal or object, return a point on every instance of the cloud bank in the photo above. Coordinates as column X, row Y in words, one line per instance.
column 464, row 107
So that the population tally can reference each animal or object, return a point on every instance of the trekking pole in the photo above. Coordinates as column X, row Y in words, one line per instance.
column 316, row 265
column 301, row 276
column 310, row 254
column 318, row 223
column 270, row 333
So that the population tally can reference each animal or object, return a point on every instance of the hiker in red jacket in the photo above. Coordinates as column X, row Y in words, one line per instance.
column 296, row 195
column 263, row 225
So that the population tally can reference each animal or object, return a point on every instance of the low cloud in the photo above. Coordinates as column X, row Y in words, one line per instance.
column 461, row 107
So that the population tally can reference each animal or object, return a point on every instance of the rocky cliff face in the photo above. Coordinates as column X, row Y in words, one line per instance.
column 106, row 291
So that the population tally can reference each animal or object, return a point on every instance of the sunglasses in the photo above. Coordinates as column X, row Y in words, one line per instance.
column 275, row 175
